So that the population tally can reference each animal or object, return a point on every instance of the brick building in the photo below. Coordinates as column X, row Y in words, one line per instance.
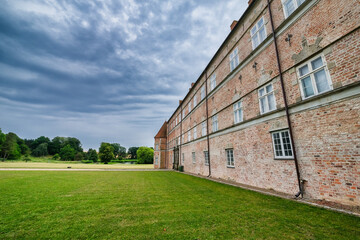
column 278, row 105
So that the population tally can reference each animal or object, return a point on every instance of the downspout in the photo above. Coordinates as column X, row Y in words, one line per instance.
column 285, row 103
column 207, row 122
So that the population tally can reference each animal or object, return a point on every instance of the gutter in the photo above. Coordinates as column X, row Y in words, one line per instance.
column 301, row 192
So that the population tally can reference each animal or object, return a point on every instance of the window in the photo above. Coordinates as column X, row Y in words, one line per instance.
column 202, row 93
column 179, row 140
column 229, row 158
column 156, row 160
column 267, row 99
column 258, row 33
column 314, row 78
column 189, row 135
column 179, row 118
column 203, row 129
column 238, row 113
column 213, row 81
column 195, row 100
column 182, row 139
column 214, row 123
column 290, row 6
column 195, row 133
column 189, row 107
column 176, row 121
column 157, row 147
column 183, row 158
column 234, row 59
column 282, row 144
column 183, row 113
column 206, row 156
column 193, row 157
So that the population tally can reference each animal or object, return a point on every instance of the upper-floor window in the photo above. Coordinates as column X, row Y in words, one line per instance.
column 314, row 77
column 267, row 99
column 258, row 33
column 238, row 112
column 214, row 123
column 179, row 140
column 234, row 59
column 189, row 135
column 195, row 101
column 156, row 160
column 213, row 81
column 182, row 139
column 176, row 121
column 282, row 144
column 290, row 6
column 193, row 157
column 195, row 133
column 157, row 147
column 189, row 107
column 179, row 118
column 206, row 156
column 202, row 92
column 230, row 158
column 203, row 129
column 183, row 113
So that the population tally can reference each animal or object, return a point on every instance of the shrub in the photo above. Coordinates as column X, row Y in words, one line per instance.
column 145, row 155
column 56, row 157
column 79, row 156
column 86, row 161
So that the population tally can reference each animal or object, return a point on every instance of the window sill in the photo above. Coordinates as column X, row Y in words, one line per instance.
column 283, row 159
column 230, row 166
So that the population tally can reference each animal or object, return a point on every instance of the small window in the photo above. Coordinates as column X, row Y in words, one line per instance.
column 176, row 121
column 202, row 93
column 193, row 157
column 179, row 140
column 157, row 147
column 214, row 123
column 183, row 113
column 290, row 6
column 179, row 118
column 206, row 156
column 238, row 112
column 203, row 129
column 189, row 107
column 230, row 158
column 156, row 160
column 234, row 59
column 213, row 81
column 195, row 101
column 189, row 135
column 282, row 144
column 258, row 33
column 314, row 78
column 267, row 99
column 183, row 158
column 182, row 139
column 195, row 133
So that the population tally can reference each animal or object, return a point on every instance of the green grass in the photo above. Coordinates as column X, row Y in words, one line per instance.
column 154, row 205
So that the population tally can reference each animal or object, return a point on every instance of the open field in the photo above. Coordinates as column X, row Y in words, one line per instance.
column 154, row 205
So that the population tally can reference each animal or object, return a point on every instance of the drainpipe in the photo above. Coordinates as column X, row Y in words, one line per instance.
column 285, row 103
column 207, row 122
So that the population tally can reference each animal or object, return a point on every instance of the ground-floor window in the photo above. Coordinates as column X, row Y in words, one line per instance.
column 156, row 160
column 230, row 158
column 206, row 155
column 282, row 144
column 193, row 157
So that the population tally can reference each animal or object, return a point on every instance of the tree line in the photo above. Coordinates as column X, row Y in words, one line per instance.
column 13, row 147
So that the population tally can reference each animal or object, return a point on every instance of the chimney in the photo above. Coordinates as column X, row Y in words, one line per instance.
column 233, row 24
column 180, row 101
column 192, row 84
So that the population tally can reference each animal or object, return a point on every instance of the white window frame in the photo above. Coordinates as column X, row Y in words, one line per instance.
column 202, row 92
column 156, row 160
column 195, row 133
column 193, row 157
column 266, row 97
column 195, row 100
column 206, row 158
column 234, row 59
column 176, row 121
column 189, row 135
column 179, row 140
column 157, row 147
column 189, row 106
column 282, row 145
column 212, row 82
column 203, row 129
column 311, row 73
column 238, row 112
column 230, row 163
column 214, row 122
column 256, row 33
column 296, row 3
column 183, row 138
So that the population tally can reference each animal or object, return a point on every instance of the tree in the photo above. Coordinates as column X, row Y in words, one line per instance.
column 10, row 149
column 92, row 155
column 39, row 141
column 106, row 154
column 79, row 156
column 56, row 156
column 145, row 155
column 2, row 137
column 74, row 143
column 122, row 153
column 67, row 153
column 132, row 151
column 41, row 150
column 56, row 144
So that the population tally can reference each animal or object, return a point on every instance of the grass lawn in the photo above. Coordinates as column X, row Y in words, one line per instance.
column 154, row 205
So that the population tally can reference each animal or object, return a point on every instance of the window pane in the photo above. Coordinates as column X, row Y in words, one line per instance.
column 253, row 30
column 304, row 70
column 262, row 34
column 271, row 100
column 260, row 23
column 317, row 63
column 262, row 91
column 307, row 87
column 255, row 41
column 286, row 142
column 277, row 144
column 269, row 88
column 262, row 104
column 321, row 81
column 290, row 7
column 300, row 2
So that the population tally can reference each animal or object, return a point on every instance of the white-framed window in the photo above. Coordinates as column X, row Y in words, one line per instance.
column 176, row 121
column 203, row 129
column 179, row 118
column 234, row 59
column 206, row 156
column 290, row 6
column 193, row 157
column 314, row 77
column 156, row 160
column 195, row 133
column 179, row 140
column 189, row 107
column 195, row 100
column 202, row 92
column 182, row 139
column 157, row 147
column 258, row 33
column 230, row 158
column 267, row 99
column 214, row 123
column 212, row 81
column 183, row 157
column 238, row 112
column 189, row 135
column 282, row 144
column 183, row 113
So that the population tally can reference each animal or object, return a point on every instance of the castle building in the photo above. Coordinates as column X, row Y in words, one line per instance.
column 277, row 107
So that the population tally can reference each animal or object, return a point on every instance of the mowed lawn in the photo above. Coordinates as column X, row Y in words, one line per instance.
column 154, row 205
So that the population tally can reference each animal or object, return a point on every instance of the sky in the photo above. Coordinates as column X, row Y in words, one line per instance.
column 106, row 70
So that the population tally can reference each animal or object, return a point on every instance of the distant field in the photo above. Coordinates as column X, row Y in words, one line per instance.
column 154, row 205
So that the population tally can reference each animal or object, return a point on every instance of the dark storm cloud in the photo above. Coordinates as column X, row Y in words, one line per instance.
column 103, row 70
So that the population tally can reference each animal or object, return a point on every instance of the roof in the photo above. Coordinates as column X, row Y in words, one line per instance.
column 162, row 132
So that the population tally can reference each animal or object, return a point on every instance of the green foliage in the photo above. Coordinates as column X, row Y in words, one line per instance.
column 39, row 141
column 56, row 156
column 106, row 152
column 2, row 137
column 74, row 143
column 56, row 144
column 92, row 155
column 25, row 150
column 79, row 156
column 132, row 151
column 41, row 150
column 145, row 155
column 86, row 161
column 10, row 149
column 67, row 153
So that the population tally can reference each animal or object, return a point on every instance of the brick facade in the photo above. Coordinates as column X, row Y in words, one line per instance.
column 318, row 42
